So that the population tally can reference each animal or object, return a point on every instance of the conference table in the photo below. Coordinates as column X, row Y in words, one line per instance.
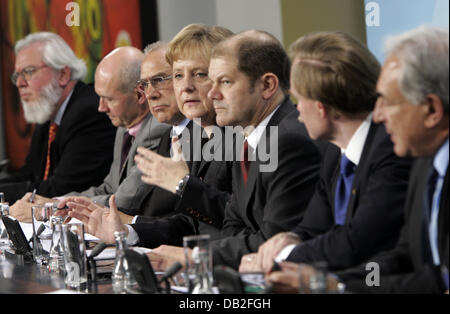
column 18, row 276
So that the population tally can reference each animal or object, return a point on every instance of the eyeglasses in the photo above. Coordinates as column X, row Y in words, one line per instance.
column 158, row 82
column 26, row 73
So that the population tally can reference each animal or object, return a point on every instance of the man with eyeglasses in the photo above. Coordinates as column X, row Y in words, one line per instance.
column 71, row 147
column 116, row 82
column 156, row 85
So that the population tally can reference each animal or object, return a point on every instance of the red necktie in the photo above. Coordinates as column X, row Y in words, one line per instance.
column 245, row 163
column 51, row 138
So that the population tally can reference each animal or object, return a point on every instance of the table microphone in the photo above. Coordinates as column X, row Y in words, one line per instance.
column 175, row 268
column 92, row 265
column 38, row 233
column 97, row 250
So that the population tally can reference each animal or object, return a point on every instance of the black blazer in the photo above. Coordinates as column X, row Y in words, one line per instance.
column 271, row 202
column 158, row 202
column 374, row 215
column 81, row 153
column 199, row 211
column 408, row 268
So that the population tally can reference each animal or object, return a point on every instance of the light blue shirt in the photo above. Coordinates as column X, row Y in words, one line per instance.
column 440, row 163
column 62, row 109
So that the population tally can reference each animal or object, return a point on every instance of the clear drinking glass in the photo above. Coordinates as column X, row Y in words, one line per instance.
column 74, row 249
column 198, row 261
column 42, row 215
column 4, row 237
column 313, row 278
column 56, row 253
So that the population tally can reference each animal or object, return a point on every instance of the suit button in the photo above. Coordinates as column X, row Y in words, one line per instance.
column 201, row 178
column 209, row 221
column 354, row 192
column 190, row 211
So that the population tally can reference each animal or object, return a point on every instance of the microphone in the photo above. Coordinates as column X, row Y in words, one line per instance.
column 38, row 232
column 175, row 268
column 97, row 250
column 93, row 266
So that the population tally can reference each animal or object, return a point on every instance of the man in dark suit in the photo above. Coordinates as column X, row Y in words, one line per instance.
column 116, row 79
column 413, row 105
column 418, row 121
column 71, row 147
column 363, row 184
column 275, row 180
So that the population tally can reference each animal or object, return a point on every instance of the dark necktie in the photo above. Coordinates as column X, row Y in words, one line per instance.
column 343, row 189
column 51, row 137
column 427, row 199
column 126, row 145
column 245, row 163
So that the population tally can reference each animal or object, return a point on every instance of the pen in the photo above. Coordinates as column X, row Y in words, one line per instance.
column 32, row 196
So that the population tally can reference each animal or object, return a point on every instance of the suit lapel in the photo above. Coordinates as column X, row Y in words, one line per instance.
column 360, row 171
column 285, row 108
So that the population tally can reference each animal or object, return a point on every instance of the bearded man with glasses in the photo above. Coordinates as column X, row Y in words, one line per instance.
column 72, row 144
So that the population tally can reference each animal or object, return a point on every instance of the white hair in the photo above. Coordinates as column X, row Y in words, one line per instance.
column 56, row 53
column 424, row 55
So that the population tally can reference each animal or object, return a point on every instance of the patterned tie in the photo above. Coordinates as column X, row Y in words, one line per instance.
column 245, row 163
column 126, row 145
column 343, row 189
column 51, row 137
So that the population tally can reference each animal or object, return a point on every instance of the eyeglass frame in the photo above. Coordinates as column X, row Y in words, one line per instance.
column 15, row 76
column 153, row 82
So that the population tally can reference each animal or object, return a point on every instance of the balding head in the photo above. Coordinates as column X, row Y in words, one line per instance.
column 122, row 65
column 257, row 52
column 116, row 80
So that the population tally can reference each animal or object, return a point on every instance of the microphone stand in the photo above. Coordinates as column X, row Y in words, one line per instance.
column 175, row 268
column 92, row 265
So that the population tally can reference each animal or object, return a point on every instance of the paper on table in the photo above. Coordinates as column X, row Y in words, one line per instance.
column 110, row 253
column 28, row 229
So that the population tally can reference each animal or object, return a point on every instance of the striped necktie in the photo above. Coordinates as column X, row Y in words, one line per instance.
column 51, row 137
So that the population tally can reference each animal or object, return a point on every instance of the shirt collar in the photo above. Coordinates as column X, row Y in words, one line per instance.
column 440, row 161
column 178, row 129
column 254, row 137
column 134, row 130
column 356, row 145
column 62, row 109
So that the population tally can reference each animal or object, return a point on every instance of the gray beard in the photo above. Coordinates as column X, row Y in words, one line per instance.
column 41, row 110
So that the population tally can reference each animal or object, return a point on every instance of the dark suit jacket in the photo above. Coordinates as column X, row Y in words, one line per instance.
column 374, row 215
column 81, row 153
column 408, row 268
column 199, row 211
column 270, row 202
column 157, row 202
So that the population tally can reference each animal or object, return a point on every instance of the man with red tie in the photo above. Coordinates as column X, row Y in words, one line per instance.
column 275, row 179
column 71, row 147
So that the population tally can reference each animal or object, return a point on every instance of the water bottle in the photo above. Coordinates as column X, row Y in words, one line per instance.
column 122, row 278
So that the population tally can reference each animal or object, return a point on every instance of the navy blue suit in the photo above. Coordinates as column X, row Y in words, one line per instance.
column 374, row 214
